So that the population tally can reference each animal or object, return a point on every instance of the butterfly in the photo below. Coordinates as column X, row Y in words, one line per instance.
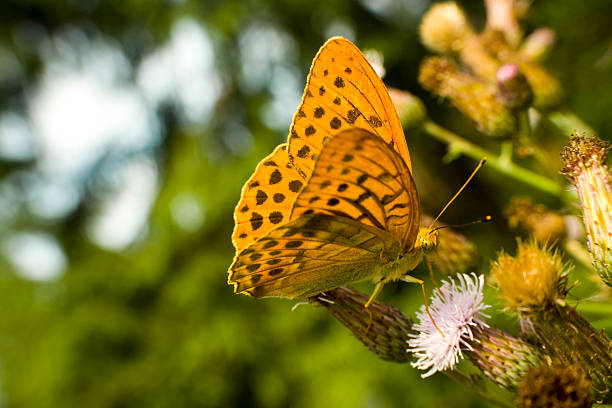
column 337, row 203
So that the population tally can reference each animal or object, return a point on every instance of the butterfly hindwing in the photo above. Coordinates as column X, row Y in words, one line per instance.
column 342, row 91
column 266, row 198
column 358, row 176
column 309, row 255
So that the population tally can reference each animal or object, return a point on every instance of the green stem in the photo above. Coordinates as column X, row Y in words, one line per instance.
column 568, row 123
column 458, row 145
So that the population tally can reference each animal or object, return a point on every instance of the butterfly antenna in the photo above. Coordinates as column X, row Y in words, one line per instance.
column 480, row 164
column 486, row 218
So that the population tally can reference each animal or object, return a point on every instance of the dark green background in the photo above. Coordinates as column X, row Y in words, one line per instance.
column 156, row 325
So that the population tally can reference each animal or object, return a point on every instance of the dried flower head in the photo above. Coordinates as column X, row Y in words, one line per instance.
column 411, row 110
column 473, row 98
column 531, row 280
column 384, row 330
column 544, row 225
column 585, row 166
column 554, row 386
column 443, row 27
column 457, row 310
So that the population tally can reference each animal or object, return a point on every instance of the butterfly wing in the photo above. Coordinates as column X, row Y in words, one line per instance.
column 309, row 255
column 358, row 176
column 266, row 198
column 352, row 219
column 342, row 91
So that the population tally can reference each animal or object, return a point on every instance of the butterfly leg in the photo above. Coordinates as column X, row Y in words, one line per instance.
column 431, row 275
column 377, row 290
column 412, row 279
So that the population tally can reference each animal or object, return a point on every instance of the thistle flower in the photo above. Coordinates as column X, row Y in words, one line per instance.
column 534, row 284
column 384, row 330
column 457, row 310
column 544, row 225
column 410, row 109
column 513, row 88
column 585, row 166
column 532, row 280
column 475, row 99
column 444, row 29
column 554, row 386
column 454, row 253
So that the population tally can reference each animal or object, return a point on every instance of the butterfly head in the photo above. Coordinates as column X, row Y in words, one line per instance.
column 427, row 239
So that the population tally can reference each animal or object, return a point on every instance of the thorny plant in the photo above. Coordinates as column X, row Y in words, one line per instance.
column 557, row 359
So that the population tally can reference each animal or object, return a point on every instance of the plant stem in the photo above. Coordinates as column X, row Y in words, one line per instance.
column 568, row 123
column 458, row 145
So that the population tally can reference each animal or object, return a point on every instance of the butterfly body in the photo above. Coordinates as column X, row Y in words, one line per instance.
column 336, row 204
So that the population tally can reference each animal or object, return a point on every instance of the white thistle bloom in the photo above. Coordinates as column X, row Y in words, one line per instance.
column 457, row 310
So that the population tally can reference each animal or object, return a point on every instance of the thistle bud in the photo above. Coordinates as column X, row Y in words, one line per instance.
column 513, row 88
column 554, row 386
column 585, row 166
column 384, row 330
column 544, row 225
column 503, row 358
column 538, row 44
column 411, row 110
column 547, row 90
column 454, row 253
column 534, row 284
column 473, row 98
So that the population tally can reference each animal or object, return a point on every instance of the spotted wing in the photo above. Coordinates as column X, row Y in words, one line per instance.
column 342, row 91
column 309, row 255
column 266, row 198
column 358, row 176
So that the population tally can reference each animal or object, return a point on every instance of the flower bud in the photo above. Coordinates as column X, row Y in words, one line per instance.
column 554, row 386
column 544, row 225
column 384, row 330
column 585, row 166
column 473, row 98
column 513, row 88
column 454, row 253
column 547, row 90
column 411, row 110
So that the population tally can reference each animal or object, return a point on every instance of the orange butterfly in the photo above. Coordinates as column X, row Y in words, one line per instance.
column 337, row 203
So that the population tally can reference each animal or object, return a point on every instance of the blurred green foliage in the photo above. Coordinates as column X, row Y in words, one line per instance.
column 156, row 325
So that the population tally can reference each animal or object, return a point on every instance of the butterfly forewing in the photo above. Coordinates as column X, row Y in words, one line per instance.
column 266, row 198
column 342, row 91
column 359, row 176
column 309, row 255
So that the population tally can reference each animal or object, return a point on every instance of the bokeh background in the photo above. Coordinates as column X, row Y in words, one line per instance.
column 127, row 129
